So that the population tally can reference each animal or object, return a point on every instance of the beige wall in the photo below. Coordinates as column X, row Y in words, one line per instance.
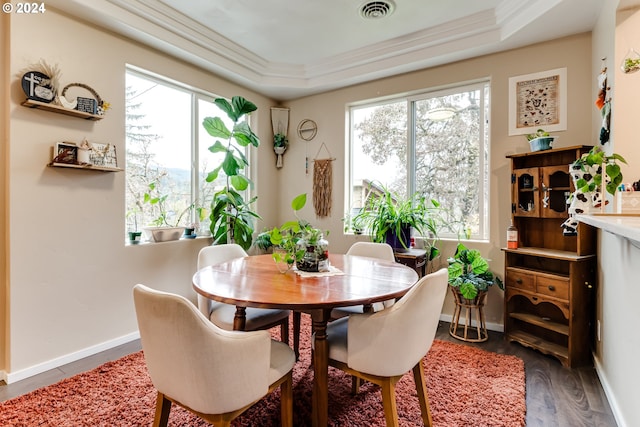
column 70, row 273
column 329, row 110
column 4, row 147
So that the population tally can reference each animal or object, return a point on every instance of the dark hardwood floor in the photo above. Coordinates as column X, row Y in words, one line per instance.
column 556, row 396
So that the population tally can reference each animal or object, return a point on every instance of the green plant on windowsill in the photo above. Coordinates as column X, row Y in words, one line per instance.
column 469, row 273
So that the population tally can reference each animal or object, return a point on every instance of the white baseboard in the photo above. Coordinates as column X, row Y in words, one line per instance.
column 68, row 358
column 613, row 403
column 490, row 326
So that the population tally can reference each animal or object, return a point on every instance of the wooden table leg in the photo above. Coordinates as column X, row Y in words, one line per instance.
column 240, row 319
column 320, row 412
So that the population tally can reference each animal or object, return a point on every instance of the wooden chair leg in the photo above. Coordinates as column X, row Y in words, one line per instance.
column 284, row 331
column 286, row 402
column 388, row 389
column 423, row 397
column 163, row 408
column 296, row 333
column 355, row 385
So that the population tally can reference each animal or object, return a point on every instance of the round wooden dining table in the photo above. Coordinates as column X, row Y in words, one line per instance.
column 255, row 281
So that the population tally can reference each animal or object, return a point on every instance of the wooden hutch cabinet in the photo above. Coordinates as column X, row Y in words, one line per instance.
column 549, row 278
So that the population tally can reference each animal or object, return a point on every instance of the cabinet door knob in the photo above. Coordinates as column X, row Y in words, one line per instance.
column 519, row 281
column 552, row 288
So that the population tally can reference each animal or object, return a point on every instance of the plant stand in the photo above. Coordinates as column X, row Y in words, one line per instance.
column 464, row 330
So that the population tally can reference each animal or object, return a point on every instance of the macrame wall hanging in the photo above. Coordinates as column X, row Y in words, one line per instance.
column 603, row 102
column 322, row 183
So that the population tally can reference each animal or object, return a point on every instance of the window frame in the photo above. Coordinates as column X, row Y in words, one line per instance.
column 484, row 87
column 197, row 130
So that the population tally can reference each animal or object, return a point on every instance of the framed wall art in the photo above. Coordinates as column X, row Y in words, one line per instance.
column 538, row 101
column 65, row 152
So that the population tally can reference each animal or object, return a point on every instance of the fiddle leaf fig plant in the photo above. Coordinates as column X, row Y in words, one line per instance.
column 232, row 219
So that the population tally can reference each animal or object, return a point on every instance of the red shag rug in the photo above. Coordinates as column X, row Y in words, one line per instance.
column 467, row 387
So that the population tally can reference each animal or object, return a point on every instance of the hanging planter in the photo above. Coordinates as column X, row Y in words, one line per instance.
column 280, row 127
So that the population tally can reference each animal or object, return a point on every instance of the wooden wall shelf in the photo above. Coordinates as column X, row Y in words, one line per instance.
column 85, row 167
column 30, row 103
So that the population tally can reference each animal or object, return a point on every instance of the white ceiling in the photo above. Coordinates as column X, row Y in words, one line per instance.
column 286, row 49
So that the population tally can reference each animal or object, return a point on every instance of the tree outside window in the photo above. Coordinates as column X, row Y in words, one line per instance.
column 435, row 144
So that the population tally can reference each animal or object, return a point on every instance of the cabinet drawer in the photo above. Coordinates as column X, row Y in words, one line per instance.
column 520, row 280
column 558, row 288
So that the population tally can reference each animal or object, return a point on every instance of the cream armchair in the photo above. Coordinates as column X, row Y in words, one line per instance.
column 213, row 373
column 381, row 347
column 222, row 314
column 381, row 251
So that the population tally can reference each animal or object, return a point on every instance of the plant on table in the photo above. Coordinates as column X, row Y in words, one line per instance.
column 293, row 238
column 232, row 219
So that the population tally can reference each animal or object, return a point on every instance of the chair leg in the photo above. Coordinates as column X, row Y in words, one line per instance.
column 388, row 389
column 284, row 331
column 163, row 407
column 423, row 397
column 296, row 333
column 286, row 402
column 355, row 385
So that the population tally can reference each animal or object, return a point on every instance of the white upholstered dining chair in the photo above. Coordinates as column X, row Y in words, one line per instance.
column 222, row 314
column 381, row 347
column 215, row 374
column 381, row 251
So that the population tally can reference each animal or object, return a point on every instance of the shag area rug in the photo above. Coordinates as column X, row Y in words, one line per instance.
column 467, row 387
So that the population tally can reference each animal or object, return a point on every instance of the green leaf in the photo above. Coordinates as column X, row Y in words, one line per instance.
column 216, row 127
column 239, row 182
column 299, row 201
column 218, row 147
column 213, row 175
column 242, row 106
column 230, row 165
column 468, row 290
column 224, row 105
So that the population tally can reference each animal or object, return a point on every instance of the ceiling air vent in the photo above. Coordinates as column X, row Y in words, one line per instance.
column 376, row 9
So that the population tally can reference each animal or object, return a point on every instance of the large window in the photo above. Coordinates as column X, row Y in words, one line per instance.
column 435, row 143
column 167, row 158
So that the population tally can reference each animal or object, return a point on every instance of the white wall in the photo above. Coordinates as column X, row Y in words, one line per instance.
column 70, row 274
column 617, row 351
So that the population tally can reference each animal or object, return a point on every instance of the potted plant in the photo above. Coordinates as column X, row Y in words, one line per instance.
column 389, row 218
column 541, row 140
column 134, row 234
column 297, row 242
column 232, row 219
column 469, row 281
column 280, row 144
column 469, row 274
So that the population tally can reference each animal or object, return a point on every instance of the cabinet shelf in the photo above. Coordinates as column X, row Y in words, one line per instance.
column 549, row 253
column 30, row 103
column 542, row 322
column 85, row 167
column 537, row 343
